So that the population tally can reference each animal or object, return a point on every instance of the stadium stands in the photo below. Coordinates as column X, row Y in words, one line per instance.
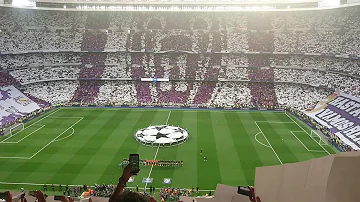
column 242, row 60
column 54, row 92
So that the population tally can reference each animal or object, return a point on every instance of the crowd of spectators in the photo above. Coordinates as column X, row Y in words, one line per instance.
column 289, row 69
column 233, row 73
column 116, row 40
column 34, row 39
column 173, row 93
column 37, row 59
column 94, row 40
column 261, row 74
column 320, row 79
column 204, row 93
column 299, row 96
column 54, row 92
column 309, row 70
column 172, row 66
column 143, row 93
column 326, row 42
column 334, row 31
column 117, row 93
column 86, row 92
column 230, row 94
column 103, row 190
column 341, row 65
column 6, row 79
column 29, row 75
column 263, row 95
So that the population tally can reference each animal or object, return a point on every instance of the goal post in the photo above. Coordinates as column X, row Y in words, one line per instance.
column 318, row 137
column 16, row 128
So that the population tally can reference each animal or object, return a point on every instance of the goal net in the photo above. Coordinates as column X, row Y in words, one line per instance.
column 318, row 137
column 15, row 129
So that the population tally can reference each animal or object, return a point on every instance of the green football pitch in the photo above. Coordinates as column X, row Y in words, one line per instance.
column 85, row 146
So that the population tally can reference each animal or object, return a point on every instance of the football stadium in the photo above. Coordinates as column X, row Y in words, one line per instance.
column 207, row 101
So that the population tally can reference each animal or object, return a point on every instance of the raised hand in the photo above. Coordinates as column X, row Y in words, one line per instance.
column 40, row 196
column 127, row 173
column 253, row 198
column 8, row 197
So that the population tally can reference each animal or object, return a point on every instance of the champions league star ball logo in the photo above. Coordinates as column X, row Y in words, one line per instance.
column 161, row 135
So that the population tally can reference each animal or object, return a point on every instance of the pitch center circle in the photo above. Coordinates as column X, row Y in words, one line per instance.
column 161, row 135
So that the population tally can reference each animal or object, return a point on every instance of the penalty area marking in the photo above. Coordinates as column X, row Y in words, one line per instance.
column 42, row 126
column 259, row 141
column 306, row 133
column 36, row 122
column 56, row 138
column 53, row 140
column 268, row 143
column 66, row 136
column 309, row 150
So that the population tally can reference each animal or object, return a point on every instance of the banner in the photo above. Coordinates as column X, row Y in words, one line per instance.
column 340, row 113
column 14, row 104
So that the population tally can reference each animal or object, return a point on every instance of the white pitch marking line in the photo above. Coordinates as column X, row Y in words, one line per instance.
column 273, row 122
column 268, row 143
column 11, row 136
column 299, row 141
column 13, row 157
column 317, row 151
column 157, row 150
column 23, row 137
column 65, row 117
column 307, row 133
column 66, row 136
column 55, row 138
column 152, row 166
column 30, row 133
column 34, row 123
column 167, row 120
column 259, row 141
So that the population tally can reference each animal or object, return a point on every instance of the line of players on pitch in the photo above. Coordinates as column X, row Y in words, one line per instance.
column 160, row 163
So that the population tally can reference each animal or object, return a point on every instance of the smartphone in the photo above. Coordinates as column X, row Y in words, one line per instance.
column 244, row 191
column 57, row 198
column 32, row 193
column 134, row 163
column 2, row 195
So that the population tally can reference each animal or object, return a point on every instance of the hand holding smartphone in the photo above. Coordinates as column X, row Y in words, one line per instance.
column 134, row 163
column 244, row 191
